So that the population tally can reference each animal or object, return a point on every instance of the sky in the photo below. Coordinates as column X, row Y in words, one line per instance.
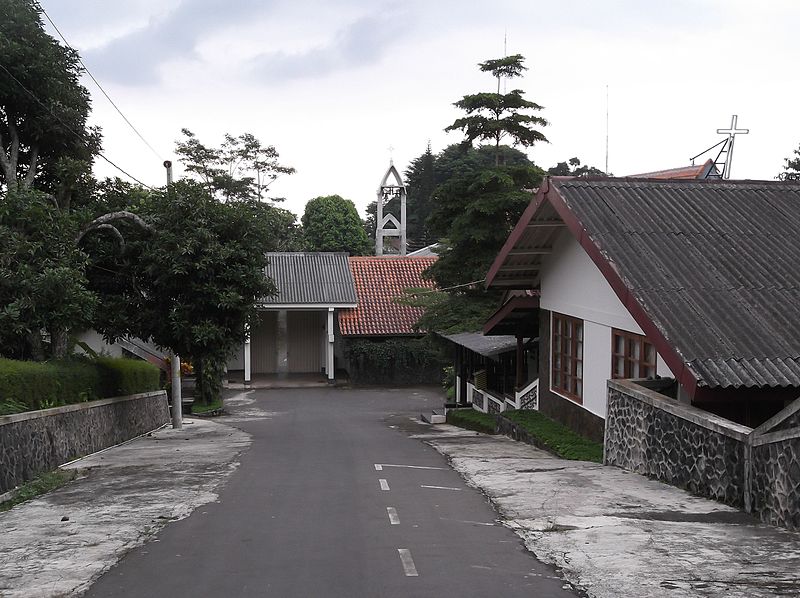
column 334, row 85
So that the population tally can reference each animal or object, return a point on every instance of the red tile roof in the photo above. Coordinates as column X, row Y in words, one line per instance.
column 685, row 172
column 378, row 281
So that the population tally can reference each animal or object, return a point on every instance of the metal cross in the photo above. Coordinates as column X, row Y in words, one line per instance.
column 391, row 158
column 731, row 133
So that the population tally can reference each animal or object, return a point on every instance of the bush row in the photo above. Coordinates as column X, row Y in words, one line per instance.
column 28, row 385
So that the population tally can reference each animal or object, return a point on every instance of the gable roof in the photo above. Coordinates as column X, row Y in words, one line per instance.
column 310, row 278
column 701, row 171
column 710, row 270
column 378, row 281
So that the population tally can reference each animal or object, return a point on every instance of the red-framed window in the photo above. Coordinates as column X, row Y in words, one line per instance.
column 632, row 356
column 566, row 360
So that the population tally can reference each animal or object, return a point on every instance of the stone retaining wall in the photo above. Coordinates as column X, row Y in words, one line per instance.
column 39, row 441
column 757, row 470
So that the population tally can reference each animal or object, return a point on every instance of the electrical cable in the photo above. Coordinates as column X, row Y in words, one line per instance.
column 71, row 130
column 96, row 82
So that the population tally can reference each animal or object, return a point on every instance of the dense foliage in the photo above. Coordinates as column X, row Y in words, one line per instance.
column 26, row 385
column 332, row 223
column 394, row 361
column 191, row 282
column 791, row 166
column 573, row 167
column 42, row 277
column 43, row 108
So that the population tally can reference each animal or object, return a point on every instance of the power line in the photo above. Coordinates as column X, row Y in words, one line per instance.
column 96, row 82
column 71, row 130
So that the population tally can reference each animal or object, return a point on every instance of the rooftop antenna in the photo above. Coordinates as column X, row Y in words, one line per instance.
column 606, row 129
column 505, row 54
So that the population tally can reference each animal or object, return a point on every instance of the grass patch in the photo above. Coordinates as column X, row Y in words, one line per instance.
column 46, row 482
column 471, row 419
column 206, row 408
column 556, row 437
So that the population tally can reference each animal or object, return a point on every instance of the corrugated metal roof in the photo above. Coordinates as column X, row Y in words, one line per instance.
column 488, row 346
column 310, row 279
column 715, row 265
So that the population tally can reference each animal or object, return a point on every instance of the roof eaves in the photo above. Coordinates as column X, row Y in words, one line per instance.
column 685, row 375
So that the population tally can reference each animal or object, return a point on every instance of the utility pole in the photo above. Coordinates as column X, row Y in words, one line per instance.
column 175, row 360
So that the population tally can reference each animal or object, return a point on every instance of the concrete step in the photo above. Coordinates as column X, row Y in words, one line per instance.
column 434, row 417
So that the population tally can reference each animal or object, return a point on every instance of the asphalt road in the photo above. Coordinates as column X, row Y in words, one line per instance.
column 334, row 499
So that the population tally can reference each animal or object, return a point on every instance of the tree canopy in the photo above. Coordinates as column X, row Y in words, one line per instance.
column 189, row 283
column 332, row 223
column 43, row 108
column 495, row 116
column 241, row 168
column 791, row 166
column 573, row 167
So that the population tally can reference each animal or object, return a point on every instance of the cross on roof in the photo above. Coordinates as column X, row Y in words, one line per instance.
column 733, row 131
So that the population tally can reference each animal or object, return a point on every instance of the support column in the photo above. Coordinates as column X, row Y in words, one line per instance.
column 282, row 343
column 520, row 365
column 247, row 372
column 329, row 347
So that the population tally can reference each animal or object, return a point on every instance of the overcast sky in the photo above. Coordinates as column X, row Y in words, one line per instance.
column 332, row 85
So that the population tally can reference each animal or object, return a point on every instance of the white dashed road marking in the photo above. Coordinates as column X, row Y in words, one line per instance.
column 408, row 563
column 440, row 487
column 394, row 518
column 384, row 484
column 380, row 466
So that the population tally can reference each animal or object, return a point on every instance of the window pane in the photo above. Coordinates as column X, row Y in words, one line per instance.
column 619, row 345
column 649, row 353
column 579, row 331
column 568, row 365
column 567, row 347
column 579, row 351
column 579, row 389
column 557, row 361
column 619, row 367
column 649, row 372
column 569, row 328
column 557, row 379
column 634, row 369
column 579, row 369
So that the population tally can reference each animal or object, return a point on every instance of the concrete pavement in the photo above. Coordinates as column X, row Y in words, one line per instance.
column 615, row 533
column 57, row 544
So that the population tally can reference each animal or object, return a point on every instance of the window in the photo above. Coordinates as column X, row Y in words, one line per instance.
column 567, row 356
column 632, row 356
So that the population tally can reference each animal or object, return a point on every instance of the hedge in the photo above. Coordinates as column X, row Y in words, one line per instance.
column 393, row 361
column 28, row 385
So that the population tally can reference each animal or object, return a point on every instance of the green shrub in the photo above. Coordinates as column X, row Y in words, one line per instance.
column 120, row 377
column 28, row 385
column 471, row 419
column 393, row 361
column 555, row 437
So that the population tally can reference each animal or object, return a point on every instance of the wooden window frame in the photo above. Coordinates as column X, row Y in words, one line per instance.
column 566, row 349
column 629, row 359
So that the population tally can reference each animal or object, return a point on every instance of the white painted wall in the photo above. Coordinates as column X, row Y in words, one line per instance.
column 572, row 285
column 96, row 342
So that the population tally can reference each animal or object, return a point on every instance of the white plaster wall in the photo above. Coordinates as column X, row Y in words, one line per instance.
column 572, row 285
column 236, row 361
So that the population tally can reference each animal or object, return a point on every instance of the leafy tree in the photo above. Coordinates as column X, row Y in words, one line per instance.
column 331, row 223
column 498, row 116
column 191, row 282
column 421, row 181
column 791, row 167
column 42, row 277
column 241, row 168
column 573, row 167
column 43, row 108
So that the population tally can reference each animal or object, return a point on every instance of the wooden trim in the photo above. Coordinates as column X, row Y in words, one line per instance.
column 629, row 358
column 566, row 343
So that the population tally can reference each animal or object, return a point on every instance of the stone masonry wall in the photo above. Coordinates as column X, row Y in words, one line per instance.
column 39, row 441
column 675, row 443
column 775, row 488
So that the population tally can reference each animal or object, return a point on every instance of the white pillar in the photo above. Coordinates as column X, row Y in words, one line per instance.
column 329, row 347
column 247, row 372
column 177, row 403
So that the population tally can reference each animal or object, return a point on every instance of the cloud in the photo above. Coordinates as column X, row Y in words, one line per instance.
column 135, row 58
column 362, row 42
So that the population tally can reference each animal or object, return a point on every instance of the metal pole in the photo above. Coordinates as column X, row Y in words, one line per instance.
column 175, row 360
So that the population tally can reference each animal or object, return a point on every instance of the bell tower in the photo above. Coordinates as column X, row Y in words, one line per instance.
column 391, row 192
